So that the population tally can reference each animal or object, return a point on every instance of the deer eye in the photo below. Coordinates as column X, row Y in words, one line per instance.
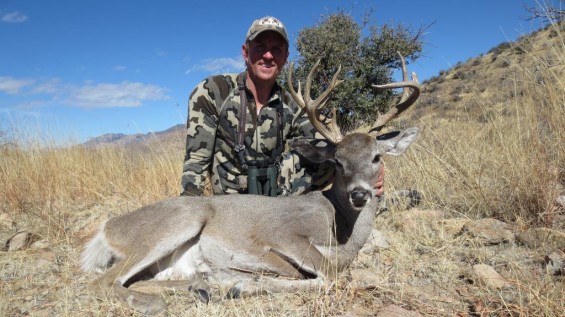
column 376, row 159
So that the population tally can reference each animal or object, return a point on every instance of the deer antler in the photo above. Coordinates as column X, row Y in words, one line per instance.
column 406, row 100
column 313, row 108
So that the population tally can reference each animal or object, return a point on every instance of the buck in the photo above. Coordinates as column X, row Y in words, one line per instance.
column 248, row 243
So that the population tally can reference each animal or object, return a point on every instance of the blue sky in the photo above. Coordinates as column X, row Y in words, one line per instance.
column 71, row 70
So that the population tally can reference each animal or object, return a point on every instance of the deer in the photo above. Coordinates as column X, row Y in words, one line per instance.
column 251, row 244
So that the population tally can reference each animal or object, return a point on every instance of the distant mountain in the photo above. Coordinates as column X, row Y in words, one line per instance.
column 120, row 139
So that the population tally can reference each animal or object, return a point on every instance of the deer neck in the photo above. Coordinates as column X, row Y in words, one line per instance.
column 352, row 227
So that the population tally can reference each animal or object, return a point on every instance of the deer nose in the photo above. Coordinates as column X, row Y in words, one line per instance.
column 359, row 197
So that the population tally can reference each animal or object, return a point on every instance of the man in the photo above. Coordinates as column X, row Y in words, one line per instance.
column 238, row 125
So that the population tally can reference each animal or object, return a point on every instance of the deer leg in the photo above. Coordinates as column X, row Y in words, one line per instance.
column 198, row 286
column 148, row 304
column 108, row 285
column 268, row 285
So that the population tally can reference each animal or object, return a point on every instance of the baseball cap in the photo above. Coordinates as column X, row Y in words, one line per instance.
column 267, row 23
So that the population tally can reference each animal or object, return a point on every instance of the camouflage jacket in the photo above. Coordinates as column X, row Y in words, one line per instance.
column 213, row 118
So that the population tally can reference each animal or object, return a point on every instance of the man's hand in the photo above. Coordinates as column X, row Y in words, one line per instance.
column 380, row 184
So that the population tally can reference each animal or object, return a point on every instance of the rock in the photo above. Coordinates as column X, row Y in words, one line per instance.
column 489, row 276
column 396, row 311
column 366, row 279
column 489, row 231
column 22, row 240
column 377, row 240
column 406, row 198
column 555, row 263
column 543, row 238
column 453, row 226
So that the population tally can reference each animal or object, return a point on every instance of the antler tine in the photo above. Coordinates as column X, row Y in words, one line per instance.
column 406, row 100
column 313, row 108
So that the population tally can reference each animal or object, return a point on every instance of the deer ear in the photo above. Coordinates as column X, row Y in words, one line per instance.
column 312, row 152
column 395, row 143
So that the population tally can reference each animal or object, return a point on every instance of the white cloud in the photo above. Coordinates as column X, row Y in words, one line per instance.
column 89, row 95
column 219, row 65
column 13, row 86
column 125, row 94
column 50, row 87
column 13, row 17
column 120, row 68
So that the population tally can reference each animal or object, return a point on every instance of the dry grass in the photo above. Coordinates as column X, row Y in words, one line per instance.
column 44, row 180
column 504, row 157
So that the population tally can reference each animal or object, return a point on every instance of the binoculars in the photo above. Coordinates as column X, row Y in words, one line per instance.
column 261, row 178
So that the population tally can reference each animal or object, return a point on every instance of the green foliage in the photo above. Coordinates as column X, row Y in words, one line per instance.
column 367, row 55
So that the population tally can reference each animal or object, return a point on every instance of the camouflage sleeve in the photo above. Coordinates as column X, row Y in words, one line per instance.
column 200, row 138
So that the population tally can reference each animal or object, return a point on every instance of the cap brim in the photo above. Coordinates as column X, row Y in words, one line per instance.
column 254, row 35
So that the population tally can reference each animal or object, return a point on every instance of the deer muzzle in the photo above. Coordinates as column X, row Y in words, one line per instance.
column 359, row 197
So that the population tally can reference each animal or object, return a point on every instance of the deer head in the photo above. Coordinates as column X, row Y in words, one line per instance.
column 356, row 156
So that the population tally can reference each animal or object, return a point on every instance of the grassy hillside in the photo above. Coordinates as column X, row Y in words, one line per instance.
column 494, row 129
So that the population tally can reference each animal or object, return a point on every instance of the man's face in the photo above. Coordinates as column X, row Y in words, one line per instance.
column 265, row 56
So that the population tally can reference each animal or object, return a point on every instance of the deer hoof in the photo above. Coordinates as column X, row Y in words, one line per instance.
column 234, row 292
column 202, row 294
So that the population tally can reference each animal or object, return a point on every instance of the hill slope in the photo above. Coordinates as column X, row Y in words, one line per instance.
column 489, row 80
